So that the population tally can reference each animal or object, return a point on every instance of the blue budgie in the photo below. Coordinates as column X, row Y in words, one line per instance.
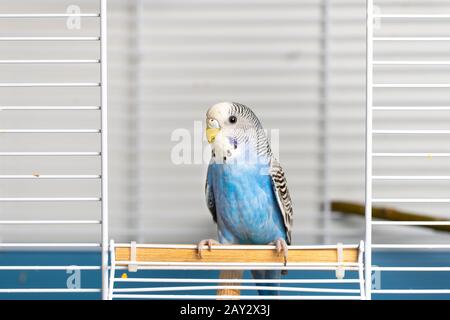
column 246, row 189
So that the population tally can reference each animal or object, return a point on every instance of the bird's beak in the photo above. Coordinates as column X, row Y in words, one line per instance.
column 212, row 129
column 211, row 134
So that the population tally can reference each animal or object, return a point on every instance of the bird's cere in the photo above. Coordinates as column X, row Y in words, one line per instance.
column 212, row 123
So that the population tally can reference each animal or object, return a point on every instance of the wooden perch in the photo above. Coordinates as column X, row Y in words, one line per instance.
column 233, row 255
column 387, row 214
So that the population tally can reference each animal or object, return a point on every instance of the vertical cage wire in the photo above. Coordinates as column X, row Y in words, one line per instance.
column 104, row 143
column 368, row 169
column 135, row 140
column 324, row 170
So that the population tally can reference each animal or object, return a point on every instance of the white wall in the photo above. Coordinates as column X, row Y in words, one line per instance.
column 170, row 60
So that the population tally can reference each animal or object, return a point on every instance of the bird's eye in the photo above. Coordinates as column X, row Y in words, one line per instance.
column 232, row 119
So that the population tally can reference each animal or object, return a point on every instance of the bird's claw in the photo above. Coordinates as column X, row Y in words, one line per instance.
column 282, row 249
column 202, row 243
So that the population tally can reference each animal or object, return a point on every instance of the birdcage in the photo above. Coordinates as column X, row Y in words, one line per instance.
column 362, row 138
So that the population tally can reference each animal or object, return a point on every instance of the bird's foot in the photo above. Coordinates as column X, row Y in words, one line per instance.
column 282, row 249
column 206, row 242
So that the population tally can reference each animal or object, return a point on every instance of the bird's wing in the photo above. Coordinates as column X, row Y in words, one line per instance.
column 210, row 202
column 281, row 191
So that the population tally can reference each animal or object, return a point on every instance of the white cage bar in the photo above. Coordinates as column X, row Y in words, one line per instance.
column 324, row 123
column 369, row 140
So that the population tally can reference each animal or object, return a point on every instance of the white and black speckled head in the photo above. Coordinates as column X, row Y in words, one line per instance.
column 233, row 129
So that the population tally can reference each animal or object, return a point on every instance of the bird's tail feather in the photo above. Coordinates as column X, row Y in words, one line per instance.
column 267, row 274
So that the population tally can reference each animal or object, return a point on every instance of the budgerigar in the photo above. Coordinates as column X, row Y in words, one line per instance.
column 246, row 189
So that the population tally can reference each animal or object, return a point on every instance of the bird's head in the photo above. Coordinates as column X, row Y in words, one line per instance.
column 230, row 124
column 229, row 119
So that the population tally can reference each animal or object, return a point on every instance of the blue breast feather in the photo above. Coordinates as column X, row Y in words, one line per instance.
column 246, row 207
